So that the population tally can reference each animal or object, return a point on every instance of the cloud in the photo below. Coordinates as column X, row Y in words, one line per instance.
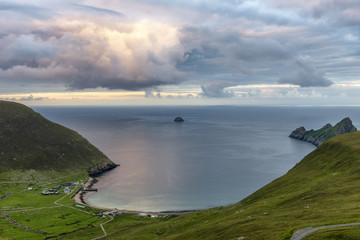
column 340, row 13
column 31, row 98
column 153, row 93
column 85, row 54
column 28, row 98
column 307, row 76
column 97, row 10
column 217, row 90
column 24, row 9
column 140, row 45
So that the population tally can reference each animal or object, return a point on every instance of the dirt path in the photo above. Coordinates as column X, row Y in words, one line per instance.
column 103, row 229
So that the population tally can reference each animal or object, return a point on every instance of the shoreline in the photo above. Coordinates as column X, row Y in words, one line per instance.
column 91, row 181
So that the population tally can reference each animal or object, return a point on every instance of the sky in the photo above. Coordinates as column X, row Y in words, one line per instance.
column 199, row 52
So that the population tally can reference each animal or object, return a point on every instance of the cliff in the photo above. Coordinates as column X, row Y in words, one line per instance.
column 319, row 136
column 28, row 141
column 100, row 168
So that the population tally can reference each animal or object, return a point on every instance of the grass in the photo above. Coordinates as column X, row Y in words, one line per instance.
column 34, row 210
column 28, row 141
column 320, row 190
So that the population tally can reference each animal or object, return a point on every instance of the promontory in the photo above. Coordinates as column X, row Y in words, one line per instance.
column 30, row 142
column 319, row 136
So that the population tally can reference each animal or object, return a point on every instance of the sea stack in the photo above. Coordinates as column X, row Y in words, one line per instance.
column 179, row 119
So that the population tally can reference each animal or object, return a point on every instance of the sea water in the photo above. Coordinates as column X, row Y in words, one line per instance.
column 217, row 156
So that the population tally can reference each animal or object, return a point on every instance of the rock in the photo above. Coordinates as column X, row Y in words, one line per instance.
column 179, row 119
column 298, row 133
column 101, row 167
column 319, row 136
column 346, row 126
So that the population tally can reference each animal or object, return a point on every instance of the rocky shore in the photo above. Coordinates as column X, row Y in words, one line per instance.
column 93, row 172
column 101, row 167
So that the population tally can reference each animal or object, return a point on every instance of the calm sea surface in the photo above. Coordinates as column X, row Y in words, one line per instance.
column 218, row 156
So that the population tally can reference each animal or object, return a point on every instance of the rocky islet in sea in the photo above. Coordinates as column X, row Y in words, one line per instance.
column 179, row 119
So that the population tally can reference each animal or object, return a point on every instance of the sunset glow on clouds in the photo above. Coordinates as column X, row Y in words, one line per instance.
column 180, row 52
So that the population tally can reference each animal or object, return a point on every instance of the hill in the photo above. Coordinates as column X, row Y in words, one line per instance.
column 28, row 141
column 322, row 189
column 319, row 136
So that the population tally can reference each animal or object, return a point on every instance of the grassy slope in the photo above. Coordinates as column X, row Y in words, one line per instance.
column 29, row 141
column 322, row 189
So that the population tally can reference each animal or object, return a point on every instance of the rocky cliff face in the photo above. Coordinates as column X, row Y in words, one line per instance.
column 100, row 168
column 319, row 136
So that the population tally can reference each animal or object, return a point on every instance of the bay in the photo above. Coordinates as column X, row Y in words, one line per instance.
column 218, row 156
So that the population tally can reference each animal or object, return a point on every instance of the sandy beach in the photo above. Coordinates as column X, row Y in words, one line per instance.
column 79, row 198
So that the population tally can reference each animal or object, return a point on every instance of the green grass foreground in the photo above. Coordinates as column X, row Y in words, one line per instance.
column 323, row 189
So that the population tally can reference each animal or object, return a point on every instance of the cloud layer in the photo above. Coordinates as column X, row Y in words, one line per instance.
column 139, row 45
column 307, row 76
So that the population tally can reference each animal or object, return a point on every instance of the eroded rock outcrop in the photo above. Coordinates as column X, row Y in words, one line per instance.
column 101, row 167
column 319, row 136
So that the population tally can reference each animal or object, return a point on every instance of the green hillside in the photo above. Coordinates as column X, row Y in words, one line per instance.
column 29, row 141
column 322, row 189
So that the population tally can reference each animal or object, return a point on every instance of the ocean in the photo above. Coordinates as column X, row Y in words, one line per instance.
column 218, row 156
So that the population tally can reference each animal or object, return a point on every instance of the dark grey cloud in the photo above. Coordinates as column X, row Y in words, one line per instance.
column 223, row 51
column 26, row 51
column 307, row 76
column 340, row 13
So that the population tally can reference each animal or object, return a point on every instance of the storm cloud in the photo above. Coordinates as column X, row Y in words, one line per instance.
column 141, row 45
column 87, row 55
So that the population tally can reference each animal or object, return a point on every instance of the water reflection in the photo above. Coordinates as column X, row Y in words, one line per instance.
column 218, row 156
